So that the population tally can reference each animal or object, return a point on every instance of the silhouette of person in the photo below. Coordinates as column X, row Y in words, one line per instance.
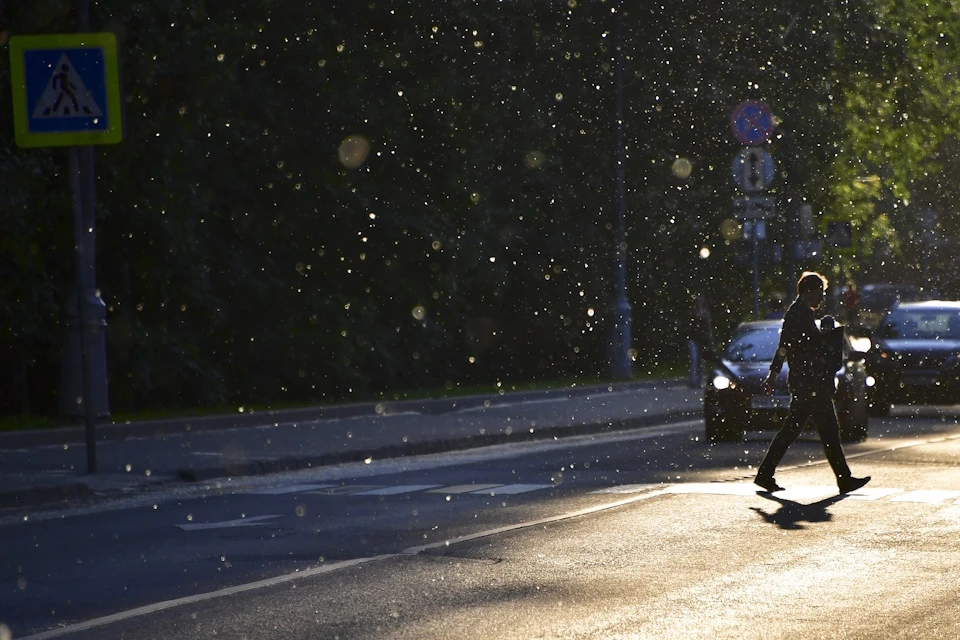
column 61, row 82
column 804, row 349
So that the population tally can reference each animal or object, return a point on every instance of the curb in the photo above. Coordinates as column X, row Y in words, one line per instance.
column 154, row 428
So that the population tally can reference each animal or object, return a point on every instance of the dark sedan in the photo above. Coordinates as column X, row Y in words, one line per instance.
column 916, row 356
column 733, row 401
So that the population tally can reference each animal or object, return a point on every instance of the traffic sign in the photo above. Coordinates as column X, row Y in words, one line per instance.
column 754, row 207
column 839, row 235
column 66, row 89
column 752, row 122
column 753, row 170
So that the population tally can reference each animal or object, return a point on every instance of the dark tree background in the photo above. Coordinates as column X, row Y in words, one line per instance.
column 319, row 200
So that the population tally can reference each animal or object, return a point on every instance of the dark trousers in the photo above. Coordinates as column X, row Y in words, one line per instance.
column 803, row 408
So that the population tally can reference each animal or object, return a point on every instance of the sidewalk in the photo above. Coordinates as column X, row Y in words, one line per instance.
column 47, row 467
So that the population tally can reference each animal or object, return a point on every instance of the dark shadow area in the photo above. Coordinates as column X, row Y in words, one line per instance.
column 790, row 515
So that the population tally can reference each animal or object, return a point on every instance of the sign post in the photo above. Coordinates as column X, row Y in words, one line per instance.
column 66, row 92
column 752, row 123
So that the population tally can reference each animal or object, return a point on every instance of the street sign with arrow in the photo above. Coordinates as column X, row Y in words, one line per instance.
column 753, row 170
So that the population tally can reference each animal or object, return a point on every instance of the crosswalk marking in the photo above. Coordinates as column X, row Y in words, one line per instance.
column 742, row 488
column 628, row 488
column 392, row 491
column 463, row 488
column 715, row 488
column 928, row 496
column 290, row 488
column 511, row 489
column 870, row 494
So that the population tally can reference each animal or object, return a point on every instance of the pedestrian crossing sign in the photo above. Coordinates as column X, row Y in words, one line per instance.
column 66, row 90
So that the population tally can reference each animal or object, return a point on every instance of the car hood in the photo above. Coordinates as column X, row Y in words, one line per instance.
column 752, row 374
column 921, row 353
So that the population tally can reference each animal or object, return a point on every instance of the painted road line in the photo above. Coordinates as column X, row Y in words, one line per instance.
column 393, row 491
column 872, row 493
column 926, row 496
column 463, row 488
column 806, row 492
column 629, row 488
column 227, row 524
column 512, row 489
column 290, row 488
column 716, row 488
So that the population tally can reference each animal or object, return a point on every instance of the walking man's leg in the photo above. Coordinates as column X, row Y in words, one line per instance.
column 825, row 417
column 800, row 409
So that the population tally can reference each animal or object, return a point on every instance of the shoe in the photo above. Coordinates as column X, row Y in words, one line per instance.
column 852, row 484
column 768, row 483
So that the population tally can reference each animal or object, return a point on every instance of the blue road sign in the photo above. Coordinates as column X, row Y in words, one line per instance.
column 66, row 89
column 752, row 122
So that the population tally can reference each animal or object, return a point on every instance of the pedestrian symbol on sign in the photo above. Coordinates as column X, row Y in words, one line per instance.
column 66, row 96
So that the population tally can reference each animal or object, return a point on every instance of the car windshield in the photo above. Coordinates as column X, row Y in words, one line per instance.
column 754, row 344
column 910, row 324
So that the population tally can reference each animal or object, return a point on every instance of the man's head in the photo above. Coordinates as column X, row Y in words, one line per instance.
column 811, row 288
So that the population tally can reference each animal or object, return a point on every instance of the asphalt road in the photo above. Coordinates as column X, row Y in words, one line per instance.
column 649, row 533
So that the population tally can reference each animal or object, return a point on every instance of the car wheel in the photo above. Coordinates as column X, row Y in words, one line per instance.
column 720, row 429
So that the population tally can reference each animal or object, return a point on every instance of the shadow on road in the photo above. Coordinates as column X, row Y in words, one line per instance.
column 790, row 515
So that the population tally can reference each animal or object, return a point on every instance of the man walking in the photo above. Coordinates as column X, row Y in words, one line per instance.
column 811, row 391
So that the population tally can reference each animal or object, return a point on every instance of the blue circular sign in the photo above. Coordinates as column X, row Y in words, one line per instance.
column 752, row 122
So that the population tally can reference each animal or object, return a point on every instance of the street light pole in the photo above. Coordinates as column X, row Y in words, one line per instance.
column 620, row 326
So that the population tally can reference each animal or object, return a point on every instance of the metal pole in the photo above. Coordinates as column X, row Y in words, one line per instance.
column 84, row 207
column 756, row 272
column 620, row 336
column 80, row 243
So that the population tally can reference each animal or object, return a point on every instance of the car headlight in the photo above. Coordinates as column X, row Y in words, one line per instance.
column 722, row 382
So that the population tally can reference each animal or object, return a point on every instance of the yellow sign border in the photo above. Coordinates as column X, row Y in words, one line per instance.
column 107, row 42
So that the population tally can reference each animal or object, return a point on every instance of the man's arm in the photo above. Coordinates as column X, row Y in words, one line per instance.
column 779, row 357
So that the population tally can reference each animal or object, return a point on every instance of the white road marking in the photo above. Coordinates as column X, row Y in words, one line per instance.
column 628, row 488
column 512, row 489
column 926, row 496
column 806, row 492
column 228, row 524
column 872, row 493
column 290, row 488
column 716, row 488
column 463, row 488
column 392, row 491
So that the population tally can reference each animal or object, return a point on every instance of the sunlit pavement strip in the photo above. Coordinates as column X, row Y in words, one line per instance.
column 803, row 492
column 927, row 497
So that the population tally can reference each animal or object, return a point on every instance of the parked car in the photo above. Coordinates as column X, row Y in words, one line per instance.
column 733, row 401
column 915, row 356
column 875, row 300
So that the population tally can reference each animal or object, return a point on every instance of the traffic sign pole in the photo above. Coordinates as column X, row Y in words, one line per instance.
column 752, row 123
column 66, row 92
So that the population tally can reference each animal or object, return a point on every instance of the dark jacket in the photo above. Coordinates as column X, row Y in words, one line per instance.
column 803, row 348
